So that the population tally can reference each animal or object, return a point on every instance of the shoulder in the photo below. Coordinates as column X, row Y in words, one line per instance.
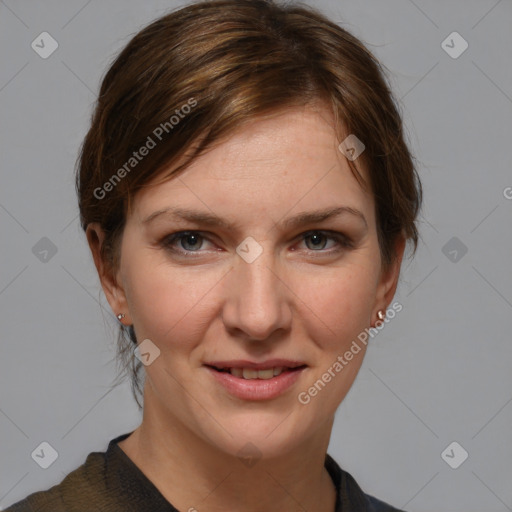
column 83, row 485
column 375, row 505
column 107, row 482
column 96, row 485
column 350, row 495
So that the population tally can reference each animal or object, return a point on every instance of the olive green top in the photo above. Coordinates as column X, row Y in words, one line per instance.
column 110, row 482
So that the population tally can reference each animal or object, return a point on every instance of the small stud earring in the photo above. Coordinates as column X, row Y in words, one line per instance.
column 120, row 316
column 381, row 315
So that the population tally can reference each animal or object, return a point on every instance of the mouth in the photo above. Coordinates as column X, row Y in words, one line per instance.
column 248, row 380
column 248, row 373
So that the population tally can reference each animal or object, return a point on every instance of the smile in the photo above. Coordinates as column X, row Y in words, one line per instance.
column 262, row 383
column 251, row 373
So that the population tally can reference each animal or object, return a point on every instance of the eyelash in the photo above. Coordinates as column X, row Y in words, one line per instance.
column 343, row 241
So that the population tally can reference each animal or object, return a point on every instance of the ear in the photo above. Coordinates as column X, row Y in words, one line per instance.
column 109, row 277
column 388, row 280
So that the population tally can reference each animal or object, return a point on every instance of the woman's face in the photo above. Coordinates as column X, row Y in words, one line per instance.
column 262, row 284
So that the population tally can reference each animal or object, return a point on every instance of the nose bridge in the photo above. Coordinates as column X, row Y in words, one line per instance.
column 257, row 298
column 259, row 276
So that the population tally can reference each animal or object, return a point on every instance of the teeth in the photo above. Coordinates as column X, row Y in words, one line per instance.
column 265, row 374
column 251, row 373
column 237, row 372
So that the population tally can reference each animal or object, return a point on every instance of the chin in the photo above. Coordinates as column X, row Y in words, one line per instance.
column 260, row 434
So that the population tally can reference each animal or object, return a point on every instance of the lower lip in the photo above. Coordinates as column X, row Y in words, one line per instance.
column 256, row 389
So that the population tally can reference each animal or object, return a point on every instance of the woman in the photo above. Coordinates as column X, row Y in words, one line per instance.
column 247, row 196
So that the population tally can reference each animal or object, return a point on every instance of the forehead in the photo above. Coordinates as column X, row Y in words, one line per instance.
column 271, row 165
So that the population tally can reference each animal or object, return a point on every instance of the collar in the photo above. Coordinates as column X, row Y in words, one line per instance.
column 125, row 474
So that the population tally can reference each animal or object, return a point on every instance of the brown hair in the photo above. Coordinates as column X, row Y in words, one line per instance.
column 192, row 76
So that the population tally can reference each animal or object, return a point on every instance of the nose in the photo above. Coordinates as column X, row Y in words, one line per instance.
column 258, row 299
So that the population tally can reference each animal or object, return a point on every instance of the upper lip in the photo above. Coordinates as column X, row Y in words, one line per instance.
column 269, row 363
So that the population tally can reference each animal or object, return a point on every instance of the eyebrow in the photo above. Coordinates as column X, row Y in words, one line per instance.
column 210, row 219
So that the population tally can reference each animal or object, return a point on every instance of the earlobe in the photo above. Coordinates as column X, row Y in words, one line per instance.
column 113, row 291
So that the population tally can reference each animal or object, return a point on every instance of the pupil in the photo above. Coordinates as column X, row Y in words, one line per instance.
column 191, row 239
column 316, row 239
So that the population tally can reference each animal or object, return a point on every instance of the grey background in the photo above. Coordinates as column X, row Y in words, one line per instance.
column 439, row 372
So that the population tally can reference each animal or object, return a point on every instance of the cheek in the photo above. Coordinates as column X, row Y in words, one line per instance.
column 167, row 302
column 172, row 305
column 338, row 305
column 338, row 309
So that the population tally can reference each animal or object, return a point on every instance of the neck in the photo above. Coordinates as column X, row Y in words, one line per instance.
column 192, row 474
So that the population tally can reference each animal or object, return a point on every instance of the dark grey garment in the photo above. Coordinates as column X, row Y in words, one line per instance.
column 110, row 482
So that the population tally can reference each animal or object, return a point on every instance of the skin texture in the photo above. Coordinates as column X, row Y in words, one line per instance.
column 297, row 300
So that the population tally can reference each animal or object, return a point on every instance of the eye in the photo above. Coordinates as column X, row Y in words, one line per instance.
column 318, row 241
column 188, row 242
column 185, row 243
